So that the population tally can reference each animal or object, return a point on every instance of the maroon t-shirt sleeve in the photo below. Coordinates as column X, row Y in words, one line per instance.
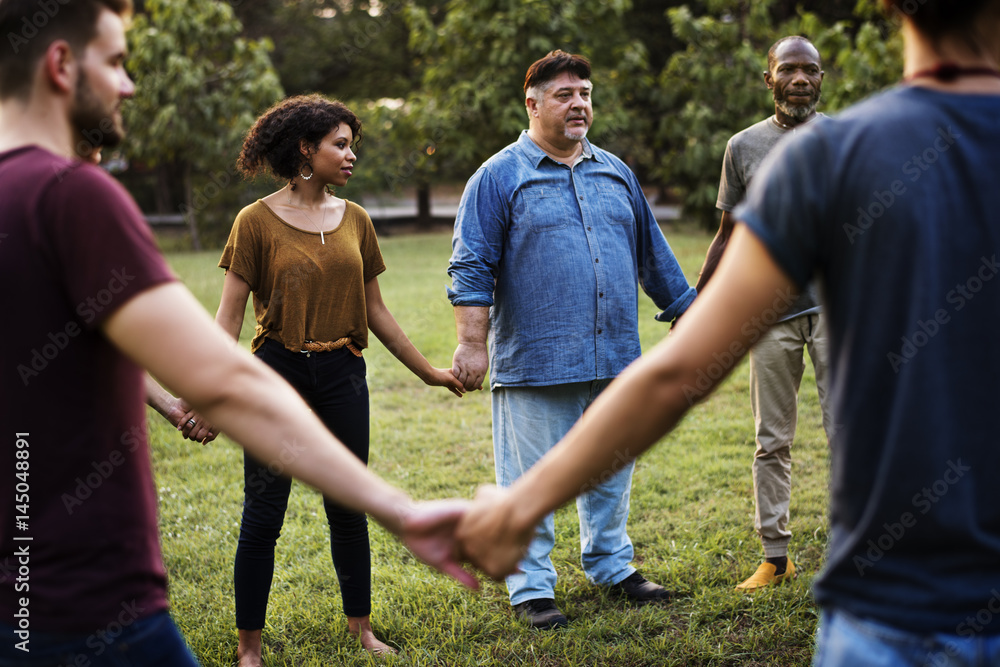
column 99, row 242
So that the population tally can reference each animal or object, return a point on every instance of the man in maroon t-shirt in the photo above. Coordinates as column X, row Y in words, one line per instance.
column 89, row 302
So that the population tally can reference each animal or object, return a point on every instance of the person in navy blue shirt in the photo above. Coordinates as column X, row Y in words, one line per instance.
column 553, row 240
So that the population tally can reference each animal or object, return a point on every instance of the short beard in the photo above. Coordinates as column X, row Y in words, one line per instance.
column 96, row 126
column 797, row 111
column 575, row 135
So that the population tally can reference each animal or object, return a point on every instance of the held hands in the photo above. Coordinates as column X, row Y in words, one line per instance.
column 191, row 425
column 428, row 529
column 443, row 377
column 488, row 537
column 469, row 364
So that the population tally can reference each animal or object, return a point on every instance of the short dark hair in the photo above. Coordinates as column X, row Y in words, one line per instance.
column 771, row 52
column 552, row 65
column 273, row 141
column 939, row 18
column 30, row 26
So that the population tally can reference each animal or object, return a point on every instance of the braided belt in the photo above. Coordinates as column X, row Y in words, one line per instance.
column 315, row 346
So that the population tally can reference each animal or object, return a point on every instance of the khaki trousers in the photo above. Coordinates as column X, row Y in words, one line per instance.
column 776, row 365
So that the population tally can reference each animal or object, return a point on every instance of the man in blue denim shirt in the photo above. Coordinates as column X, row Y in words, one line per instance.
column 552, row 240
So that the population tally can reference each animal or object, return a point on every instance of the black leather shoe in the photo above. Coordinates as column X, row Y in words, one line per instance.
column 542, row 614
column 638, row 589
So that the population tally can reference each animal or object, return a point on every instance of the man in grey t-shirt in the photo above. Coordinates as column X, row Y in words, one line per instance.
column 795, row 76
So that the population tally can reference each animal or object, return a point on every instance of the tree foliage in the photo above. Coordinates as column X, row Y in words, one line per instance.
column 438, row 83
column 470, row 102
column 199, row 86
column 349, row 49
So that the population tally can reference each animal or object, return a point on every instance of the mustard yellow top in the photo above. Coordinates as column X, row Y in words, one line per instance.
column 304, row 290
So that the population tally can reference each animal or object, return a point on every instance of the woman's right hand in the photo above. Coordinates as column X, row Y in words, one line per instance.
column 443, row 377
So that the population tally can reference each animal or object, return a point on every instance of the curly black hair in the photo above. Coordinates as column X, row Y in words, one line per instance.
column 272, row 144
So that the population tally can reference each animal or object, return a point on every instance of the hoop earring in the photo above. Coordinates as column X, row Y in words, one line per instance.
column 304, row 177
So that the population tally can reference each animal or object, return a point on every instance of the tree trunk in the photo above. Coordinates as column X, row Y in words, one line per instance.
column 161, row 191
column 424, row 219
column 189, row 211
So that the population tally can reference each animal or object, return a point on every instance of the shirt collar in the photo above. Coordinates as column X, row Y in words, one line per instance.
column 536, row 154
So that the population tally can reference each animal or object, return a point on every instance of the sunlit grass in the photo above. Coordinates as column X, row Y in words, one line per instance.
column 691, row 520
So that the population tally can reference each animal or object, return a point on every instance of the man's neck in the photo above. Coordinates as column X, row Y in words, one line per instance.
column 26, row 124
column 786, row 122
column 567, row 153
column 921, row 54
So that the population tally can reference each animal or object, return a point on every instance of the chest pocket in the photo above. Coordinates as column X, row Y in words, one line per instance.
column 615, row 202
column 544, row 209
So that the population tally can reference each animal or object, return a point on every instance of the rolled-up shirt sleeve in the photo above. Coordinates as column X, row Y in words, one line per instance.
column 477, row 244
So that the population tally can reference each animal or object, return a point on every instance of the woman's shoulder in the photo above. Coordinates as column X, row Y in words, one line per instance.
column 356, row 215
column 355, row 210
column 254, row 212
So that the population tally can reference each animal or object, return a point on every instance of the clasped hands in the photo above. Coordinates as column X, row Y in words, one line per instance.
column 190, row 424
column 483, row 533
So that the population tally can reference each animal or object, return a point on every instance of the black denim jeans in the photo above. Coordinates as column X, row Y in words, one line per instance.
column 333, row 384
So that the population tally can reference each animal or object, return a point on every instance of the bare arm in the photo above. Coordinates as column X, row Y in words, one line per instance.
column 387, row 329
column 644, row 403
column 233, row 304
column 471, row 359
column 715, row 250
column 258, row 409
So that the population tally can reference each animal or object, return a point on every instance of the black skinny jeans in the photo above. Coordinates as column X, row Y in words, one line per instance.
column 333, row 384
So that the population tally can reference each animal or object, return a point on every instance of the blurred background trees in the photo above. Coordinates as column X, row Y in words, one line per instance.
column 438, row 86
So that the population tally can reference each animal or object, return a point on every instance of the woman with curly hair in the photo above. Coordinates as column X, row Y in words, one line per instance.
column 311, row 260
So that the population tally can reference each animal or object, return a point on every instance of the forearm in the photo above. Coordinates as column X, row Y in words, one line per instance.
column 645, row 402
column 472, row 324
column 160, row 399
column 715, row 251
column 387, row 330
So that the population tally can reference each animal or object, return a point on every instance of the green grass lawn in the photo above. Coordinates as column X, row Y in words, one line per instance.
column 691, row 520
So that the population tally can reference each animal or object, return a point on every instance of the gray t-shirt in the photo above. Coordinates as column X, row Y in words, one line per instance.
column 744, row 153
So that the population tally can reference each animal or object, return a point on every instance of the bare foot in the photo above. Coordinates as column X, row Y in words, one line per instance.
column 361, row 627
column 249, row 649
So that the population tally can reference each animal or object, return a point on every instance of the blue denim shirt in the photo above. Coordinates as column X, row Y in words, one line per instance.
column 559, row 254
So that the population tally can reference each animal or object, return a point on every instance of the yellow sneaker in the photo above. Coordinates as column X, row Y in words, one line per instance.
column 764, row 576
